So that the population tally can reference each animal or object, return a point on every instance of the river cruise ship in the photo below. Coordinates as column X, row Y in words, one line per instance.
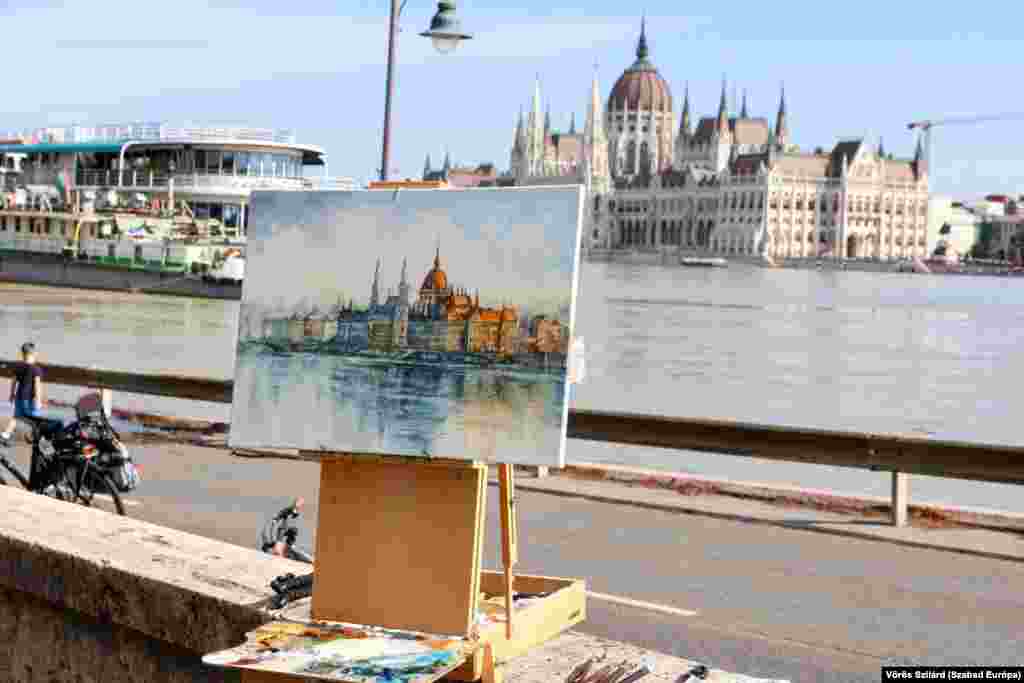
column 144, row 196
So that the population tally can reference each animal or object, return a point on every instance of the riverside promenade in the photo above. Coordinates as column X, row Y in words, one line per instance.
column 766, row 589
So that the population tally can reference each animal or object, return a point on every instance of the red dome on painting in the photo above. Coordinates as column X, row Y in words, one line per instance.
column 436, row 279
column 641, row 86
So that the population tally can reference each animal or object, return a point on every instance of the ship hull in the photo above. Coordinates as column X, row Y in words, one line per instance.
column 56, row 271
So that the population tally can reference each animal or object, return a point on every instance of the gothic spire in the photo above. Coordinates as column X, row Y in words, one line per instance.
column 547, row 121
column 437, row 255
column 743, row 111
column 404, row 266
column 723, row 110
column 426, row 167
column 572, row 124
column 881, row 149
column 781, row 129
column 641, row 44
column 447, row 163
column 517, row 142
column 684, row 118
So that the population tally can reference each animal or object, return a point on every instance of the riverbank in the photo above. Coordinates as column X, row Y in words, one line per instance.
column 53, row 270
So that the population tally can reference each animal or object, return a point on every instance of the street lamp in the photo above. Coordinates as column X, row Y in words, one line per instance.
column 445, row 33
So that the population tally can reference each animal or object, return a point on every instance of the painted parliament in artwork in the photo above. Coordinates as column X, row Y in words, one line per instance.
column 441, row 318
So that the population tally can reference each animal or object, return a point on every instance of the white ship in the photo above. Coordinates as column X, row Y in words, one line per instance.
column 146, row 197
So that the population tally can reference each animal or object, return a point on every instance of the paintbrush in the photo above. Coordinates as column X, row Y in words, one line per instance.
column 636, row 675
column 578, row 674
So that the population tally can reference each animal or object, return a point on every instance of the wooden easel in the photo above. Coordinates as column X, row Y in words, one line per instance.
column 400, row 545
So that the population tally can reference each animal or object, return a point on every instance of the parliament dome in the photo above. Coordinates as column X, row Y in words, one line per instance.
column 641, row 86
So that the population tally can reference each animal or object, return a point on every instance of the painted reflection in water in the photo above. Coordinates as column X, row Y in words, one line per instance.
column 406, row 410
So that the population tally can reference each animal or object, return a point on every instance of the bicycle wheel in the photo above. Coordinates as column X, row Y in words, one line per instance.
column 95, row 490
column 12, row 468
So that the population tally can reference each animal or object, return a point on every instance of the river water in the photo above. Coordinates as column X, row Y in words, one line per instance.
column 879, row 352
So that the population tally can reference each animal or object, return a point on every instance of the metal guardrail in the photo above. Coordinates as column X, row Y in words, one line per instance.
column 878, row 452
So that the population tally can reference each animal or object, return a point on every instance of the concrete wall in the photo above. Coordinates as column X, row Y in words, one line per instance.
column 90, row 597
column 45, row 269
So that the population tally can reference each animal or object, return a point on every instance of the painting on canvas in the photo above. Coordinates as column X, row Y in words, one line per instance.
column 421, row 322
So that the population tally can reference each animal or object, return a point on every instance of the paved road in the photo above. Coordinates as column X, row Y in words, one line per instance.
column 770, row 601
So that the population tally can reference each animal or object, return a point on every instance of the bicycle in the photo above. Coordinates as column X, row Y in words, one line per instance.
column 63, row 467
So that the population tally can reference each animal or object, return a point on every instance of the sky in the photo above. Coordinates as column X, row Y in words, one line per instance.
column 850, row 69
column 516, row 246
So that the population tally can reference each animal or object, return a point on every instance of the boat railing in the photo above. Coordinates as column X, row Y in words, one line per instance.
column 148, row 180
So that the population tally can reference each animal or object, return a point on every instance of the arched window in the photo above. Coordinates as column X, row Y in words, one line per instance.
column 645, row 158
column 631, row 157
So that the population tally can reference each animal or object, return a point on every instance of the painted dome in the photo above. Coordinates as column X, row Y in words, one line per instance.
column 436, row 279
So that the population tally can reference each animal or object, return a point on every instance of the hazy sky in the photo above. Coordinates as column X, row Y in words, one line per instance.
column 517, row 246
column 865, row 68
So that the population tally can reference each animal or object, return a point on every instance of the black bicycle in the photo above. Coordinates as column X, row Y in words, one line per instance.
column 83, row 462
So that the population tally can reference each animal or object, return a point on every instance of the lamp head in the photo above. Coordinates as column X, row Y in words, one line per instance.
column 445, row 28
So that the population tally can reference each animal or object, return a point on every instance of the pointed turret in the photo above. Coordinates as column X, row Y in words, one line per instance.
column 547, row 122
column 684, row 118
column 881, row 149
column 743, row 110
column 641, row 45
column 426, row 168
column 781, row 127
column 597, row 173
column 723, row 111
column 437, row 256
column 535, row 133
column 572, row 124
column 447, row 164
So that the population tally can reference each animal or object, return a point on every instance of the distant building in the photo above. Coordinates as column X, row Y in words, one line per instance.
column 951, row 226
column 728, row 184
column 482, row 175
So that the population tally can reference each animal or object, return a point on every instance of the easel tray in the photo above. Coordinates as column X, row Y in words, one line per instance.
column 560, row 605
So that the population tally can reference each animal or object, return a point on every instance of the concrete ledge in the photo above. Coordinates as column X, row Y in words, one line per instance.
column 182, row 589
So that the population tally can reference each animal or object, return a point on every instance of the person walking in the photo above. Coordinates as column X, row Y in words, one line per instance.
column 26, row 391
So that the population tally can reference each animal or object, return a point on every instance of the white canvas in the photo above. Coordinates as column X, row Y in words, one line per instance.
column 418, row 322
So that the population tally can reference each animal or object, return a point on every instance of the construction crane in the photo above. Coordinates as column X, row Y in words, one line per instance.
column 927, row 125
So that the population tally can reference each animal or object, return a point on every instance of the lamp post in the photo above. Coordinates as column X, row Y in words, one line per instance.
column 445, row 32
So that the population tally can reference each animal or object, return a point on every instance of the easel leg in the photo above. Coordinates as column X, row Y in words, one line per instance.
column 491, row 673
column 509, row 540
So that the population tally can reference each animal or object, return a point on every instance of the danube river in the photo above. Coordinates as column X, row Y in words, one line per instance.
column 879, row 352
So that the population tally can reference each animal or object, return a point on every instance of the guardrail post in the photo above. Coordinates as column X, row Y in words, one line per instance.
column 900, row 499
column 538, row 471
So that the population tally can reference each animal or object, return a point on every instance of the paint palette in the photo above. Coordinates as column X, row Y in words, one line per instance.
column 338, row 652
